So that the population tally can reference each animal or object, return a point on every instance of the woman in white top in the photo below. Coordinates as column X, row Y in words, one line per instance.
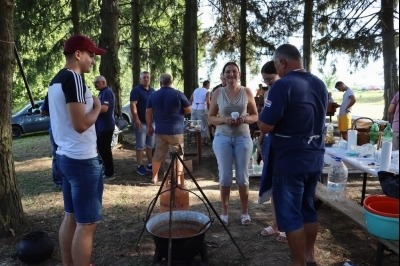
column 232, row 142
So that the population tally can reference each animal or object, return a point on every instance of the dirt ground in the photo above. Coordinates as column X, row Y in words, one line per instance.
column 126, row 200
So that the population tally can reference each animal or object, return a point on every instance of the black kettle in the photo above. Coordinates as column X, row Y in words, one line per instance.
column 35, row 247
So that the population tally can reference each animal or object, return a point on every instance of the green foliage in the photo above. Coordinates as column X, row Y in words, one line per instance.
column 348, row 27
column 269, row 23
column 330, row 81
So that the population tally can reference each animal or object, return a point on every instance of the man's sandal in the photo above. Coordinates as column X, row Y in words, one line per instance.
column 281, row 237
column 268, row 231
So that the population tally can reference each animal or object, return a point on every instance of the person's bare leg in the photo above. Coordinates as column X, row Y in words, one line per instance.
column 139, row 157
column 149, row 155
column 225, row 194
column 180, row 177
column 156, row 168
column 65, row 236
column 244, row 198
column 274, row 224
column 311, row 230
column 82, row 244
column 297, row 246
column 344, row 134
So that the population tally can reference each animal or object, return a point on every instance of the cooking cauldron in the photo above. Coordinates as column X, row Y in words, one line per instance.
column 188, row 231
column 35, row 247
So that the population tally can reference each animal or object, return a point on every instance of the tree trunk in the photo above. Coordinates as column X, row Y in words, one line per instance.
column 75, row 16
column 190, row 69
column 389, row 53
column 307, row 34
column 11, row 213
column 243, row 42
column 135, row 43
column 109, row 40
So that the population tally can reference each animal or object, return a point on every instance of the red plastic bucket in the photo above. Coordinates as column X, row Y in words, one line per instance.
column 384, row 208
column 374, row 198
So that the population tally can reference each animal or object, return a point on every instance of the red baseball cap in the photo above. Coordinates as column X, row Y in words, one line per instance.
column 81, row 43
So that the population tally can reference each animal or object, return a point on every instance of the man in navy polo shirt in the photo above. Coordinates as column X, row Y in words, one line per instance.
column 166, row 109
column 105, row 125
column 294, row 117
column 138, row 98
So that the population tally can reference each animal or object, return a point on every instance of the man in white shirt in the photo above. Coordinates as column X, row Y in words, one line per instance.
column 344, row 118
column 200, row 101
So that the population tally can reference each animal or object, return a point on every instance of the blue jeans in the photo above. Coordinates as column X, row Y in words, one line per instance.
column 82, row 188
column 143, row 140
column 229, row 150
column 293, row 196
column 55, row 172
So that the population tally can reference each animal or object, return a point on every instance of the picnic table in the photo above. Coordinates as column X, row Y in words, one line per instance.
column 350, row 208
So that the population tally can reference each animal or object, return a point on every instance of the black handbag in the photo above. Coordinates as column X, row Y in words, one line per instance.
column 389, row 183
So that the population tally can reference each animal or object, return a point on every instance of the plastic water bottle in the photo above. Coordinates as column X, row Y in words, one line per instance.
column 329, row 134
column 387, row 133
column 253, row 157
column 374, row 133
column 251, row 164
column 337, row 180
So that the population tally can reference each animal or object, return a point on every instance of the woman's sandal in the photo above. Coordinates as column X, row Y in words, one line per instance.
column 245, row 218
column 268, row 231
column 225, row 219
column 281, row 237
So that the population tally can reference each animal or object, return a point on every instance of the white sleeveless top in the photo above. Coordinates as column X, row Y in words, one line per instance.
column 226, row 107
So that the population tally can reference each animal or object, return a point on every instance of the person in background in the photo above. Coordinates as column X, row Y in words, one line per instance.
column 260, row 91
column 344, row 118
column 269, row 74
column 294, row 118
column 394, row 110
column 166, row 110
column 44, row 110
column 232, row 142
column 144, row 142
column 105, row 125
column 74, row 111
column 222, row 84
column 200, row 101
column 211, row 127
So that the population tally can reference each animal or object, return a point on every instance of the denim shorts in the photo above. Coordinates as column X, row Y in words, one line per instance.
column 143, row 140
column 82, row 188
column 233, row 150
column 293, row 196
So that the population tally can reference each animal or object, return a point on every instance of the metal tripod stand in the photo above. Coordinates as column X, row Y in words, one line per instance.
column 171, row 170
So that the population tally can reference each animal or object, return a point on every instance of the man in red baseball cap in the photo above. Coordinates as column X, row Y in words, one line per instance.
column 74, row 111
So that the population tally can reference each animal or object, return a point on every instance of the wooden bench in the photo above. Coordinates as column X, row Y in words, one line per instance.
column 355, row 211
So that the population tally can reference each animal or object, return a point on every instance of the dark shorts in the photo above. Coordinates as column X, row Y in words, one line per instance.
column 82, row 188
column 293, row 196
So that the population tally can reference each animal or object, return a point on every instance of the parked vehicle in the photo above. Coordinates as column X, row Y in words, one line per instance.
column 126, row 112
column 29, row 120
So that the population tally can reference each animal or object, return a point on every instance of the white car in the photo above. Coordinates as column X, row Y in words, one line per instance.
column 126, row 112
